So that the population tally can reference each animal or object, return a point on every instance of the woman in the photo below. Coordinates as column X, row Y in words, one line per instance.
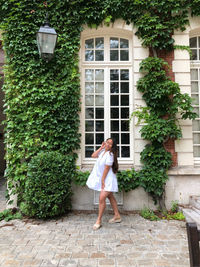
column 103, row 178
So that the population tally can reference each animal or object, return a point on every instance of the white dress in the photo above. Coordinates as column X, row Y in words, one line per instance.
column 94, row 180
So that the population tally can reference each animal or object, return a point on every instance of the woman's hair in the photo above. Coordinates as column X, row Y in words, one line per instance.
column 115, row 153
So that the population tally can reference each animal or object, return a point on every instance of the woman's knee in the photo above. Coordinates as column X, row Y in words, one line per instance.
column 102, row 197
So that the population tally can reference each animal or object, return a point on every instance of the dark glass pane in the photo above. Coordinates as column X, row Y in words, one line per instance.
column 125, row 151
column 124, row 74
column 99, row 113
column 114, row 42
column 114, row 75
column 89, row 126
column 89, row 55
column 123, row 43
column 89, row 139
column 99, row 138
column 193, row 42
column 99, row 42
column 124, row 126
column 124, row 113
column 124, row 87
column 114, row 113
column 97, row 147
column 114, row 87
column 124, row 100
column 115, row 126
column 124, row 56
column 194, row 54
column 89, row 113
column 115, row 136
column 88, row 151
column 114, row 100
column 99, row 126
column 125, row 138
column 89, row 43
column 114, row 55
column 99, row 55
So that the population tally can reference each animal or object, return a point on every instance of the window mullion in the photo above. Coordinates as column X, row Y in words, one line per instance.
column 106, row 103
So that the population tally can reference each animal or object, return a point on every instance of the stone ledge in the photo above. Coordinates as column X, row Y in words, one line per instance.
column 186, row 170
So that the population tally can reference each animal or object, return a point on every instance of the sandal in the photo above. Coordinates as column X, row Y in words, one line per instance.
column 113, row 220
column 96, row 226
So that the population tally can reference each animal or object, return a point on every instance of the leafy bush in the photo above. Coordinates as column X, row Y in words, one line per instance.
column 128, row 180
column 156, row 156
column 149, row 214
column 81, row 177
column 10, row 214
column 48, row 186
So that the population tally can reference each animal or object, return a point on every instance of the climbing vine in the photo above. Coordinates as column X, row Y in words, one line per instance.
column 42, row 99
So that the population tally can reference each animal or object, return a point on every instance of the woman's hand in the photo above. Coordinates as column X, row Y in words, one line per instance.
column 103, row 145
column 102, row 186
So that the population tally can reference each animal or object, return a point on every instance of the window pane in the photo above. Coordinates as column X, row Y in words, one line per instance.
column 124, row 87
column 115, row 136
column 89, row 126
column 196, row 138
column 125, row 151
column 99, row 113
column 114, row 42
column 89, row 55
column 89, row 43
column 193, row 42
column 124, row 55
column 114, row 100
column 89, row 138
column 114, row 87
column 89, row 100
column 194, row 74
column 99, row 87
column 99, row 126
column 114, row 75
column 124, row 126
column 89, row 88
column 194, row 87
column 99, row 43
column 115, row 126
column 124, row 113
column 196, row 110
column 123, row 43
column 89, row 113
column 89, row 75
column 99, row 55
column 114, row 55
column 196, row 125
column 124, row 74
column 124, row 100
column 125, row 138
column 194, row 54
column 99, row 75
column 197, row 151
column 99, row 100
column 195, row 99
column 114, row 113
column 88, row 151
column 99, row 138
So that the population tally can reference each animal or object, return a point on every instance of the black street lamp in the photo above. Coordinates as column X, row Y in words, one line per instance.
column 46, row 40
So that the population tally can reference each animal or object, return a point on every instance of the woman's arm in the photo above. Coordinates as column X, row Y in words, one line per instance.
column 105, row 172
column 95, row 154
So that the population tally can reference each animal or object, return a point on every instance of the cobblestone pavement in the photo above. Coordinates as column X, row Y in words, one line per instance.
column 70, row 241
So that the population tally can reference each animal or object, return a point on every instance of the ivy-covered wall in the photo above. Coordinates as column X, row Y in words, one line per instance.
column 42, row 100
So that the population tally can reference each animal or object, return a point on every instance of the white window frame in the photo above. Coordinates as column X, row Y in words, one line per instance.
column 107, row 65
column 195, row 64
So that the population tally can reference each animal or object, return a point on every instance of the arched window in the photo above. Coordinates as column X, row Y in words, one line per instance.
column 195, row 89
column 106, row 78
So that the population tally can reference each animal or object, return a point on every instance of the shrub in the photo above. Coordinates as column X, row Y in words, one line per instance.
column 48, row 186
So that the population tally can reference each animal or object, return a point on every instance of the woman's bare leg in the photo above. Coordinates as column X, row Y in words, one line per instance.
column 102, row 205
column 113, row 203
